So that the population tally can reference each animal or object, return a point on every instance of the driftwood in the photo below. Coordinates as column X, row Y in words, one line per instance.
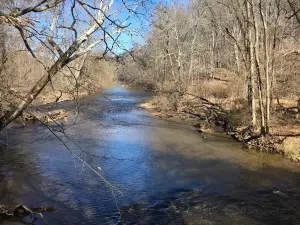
column 56, row 115
column 21, row 211
column 204, row 101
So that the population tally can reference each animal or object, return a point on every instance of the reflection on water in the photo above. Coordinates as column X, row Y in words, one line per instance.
column 164, row 171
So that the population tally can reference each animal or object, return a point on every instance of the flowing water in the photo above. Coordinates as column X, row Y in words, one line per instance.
column 163, row 172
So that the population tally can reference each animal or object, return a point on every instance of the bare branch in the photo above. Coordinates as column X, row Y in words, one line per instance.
column 53, row 26
column 37, row 8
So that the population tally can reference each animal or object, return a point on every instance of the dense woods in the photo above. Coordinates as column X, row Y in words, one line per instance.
column 242, row 51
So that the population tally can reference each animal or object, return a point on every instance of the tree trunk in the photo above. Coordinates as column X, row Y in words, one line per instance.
column 79, row 70
column 252, row 70
column 190, row 79
column 169, row 55
column 35, row 91
column 298, row 107
column 237, row 59
column 258, row 71
column 63, row 60
column 212, row 56
column 266, row 48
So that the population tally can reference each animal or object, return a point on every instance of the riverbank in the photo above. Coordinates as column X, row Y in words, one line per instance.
column 81, row 78
column 37, row 112
column 209, row 117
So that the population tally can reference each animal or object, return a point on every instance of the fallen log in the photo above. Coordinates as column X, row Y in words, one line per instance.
column 21, row 211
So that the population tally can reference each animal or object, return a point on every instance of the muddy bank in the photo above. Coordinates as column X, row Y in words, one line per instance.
column 41, row 110
column 209, row 117
column 39, row 114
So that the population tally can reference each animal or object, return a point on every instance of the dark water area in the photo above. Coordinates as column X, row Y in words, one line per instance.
column 163, row 172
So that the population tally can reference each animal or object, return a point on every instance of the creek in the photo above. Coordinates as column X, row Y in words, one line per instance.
column 163, row 171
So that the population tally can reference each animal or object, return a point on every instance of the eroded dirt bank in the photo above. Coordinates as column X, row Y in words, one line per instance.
column 210, row 117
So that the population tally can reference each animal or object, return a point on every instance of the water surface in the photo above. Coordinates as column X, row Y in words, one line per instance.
column 163, row 171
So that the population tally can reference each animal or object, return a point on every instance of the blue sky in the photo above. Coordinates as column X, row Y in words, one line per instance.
column 142, row 24
column 139, row 25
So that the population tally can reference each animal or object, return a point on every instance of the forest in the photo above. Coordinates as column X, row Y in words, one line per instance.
column 240, row 55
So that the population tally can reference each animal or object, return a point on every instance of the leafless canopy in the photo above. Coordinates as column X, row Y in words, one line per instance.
column 65, row 30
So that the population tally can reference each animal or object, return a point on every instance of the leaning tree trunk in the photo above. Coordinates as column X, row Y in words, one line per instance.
column 39, row 86
column 34, row 92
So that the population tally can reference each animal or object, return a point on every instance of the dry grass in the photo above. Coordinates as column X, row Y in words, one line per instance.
column 291, row 147
column 166, row 102
column 285, row 129
column 22, row 71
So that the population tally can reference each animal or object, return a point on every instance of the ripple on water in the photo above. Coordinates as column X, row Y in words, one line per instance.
column 165, row 173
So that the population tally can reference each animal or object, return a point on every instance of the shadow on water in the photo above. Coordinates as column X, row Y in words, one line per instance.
column 228, row 195
column 166, row 173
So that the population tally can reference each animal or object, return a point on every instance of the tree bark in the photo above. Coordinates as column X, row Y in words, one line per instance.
column 40, row 85
column 298, row 107
column 258, row 70
column 252, row 69
column 266, row 51
column 190, row 79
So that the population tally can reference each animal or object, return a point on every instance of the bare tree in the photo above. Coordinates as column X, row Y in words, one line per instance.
column 295, row 8
column 254, row 42
column 74, row 29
